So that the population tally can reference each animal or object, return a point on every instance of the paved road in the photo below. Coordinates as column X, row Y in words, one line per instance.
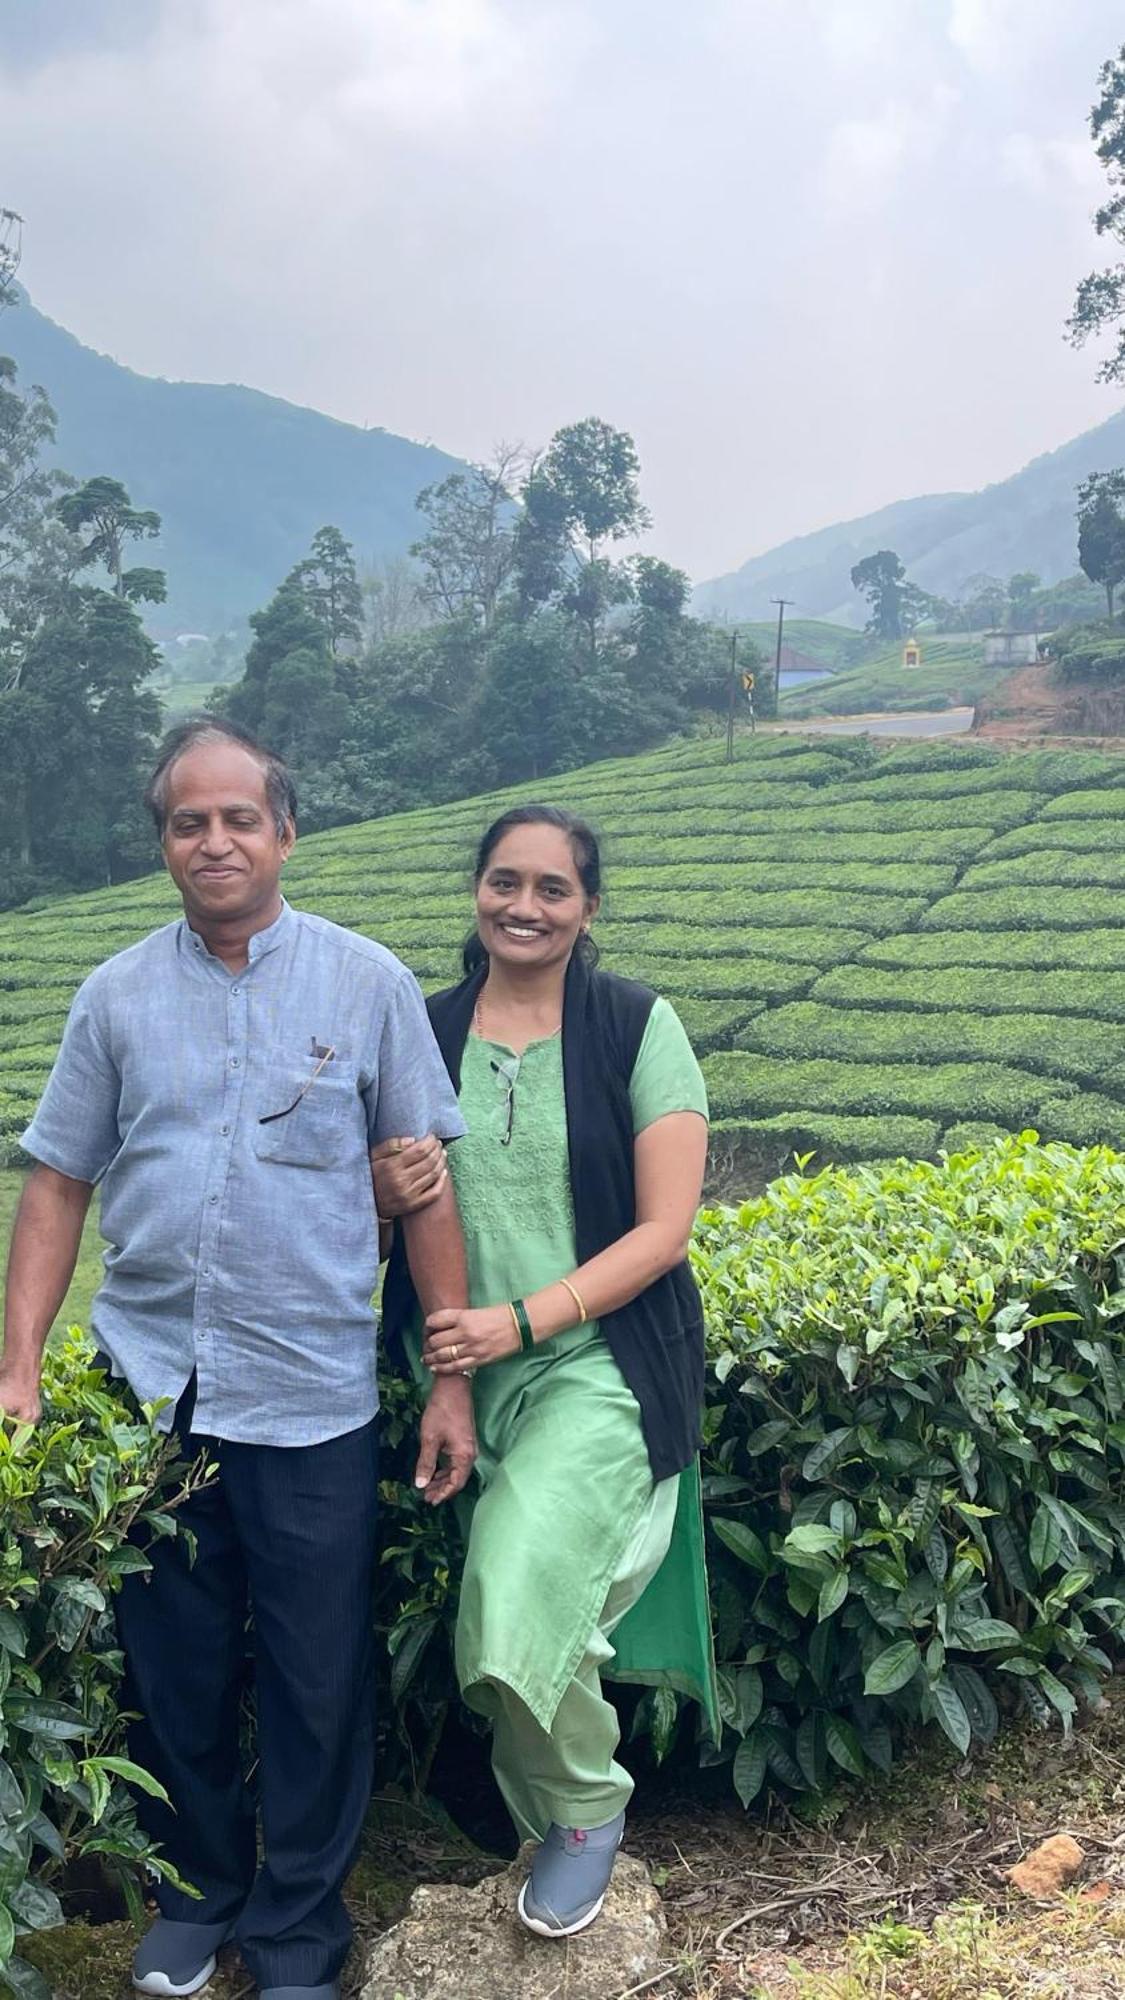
column 937, row 722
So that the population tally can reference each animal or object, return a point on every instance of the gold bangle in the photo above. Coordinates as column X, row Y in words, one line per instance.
column 583, row 1315
column 515, row 1323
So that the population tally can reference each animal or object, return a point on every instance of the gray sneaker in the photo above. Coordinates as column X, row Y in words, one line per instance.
column 174, row 1959
column 569, row 1877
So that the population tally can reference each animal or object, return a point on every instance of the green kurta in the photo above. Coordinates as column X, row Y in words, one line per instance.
column 569, row 1530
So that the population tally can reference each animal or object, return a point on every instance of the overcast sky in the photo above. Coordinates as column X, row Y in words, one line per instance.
column 814, row 254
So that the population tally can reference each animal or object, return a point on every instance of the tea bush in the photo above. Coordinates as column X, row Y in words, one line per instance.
column 916, row 1445
column 977, row 989
column 81, row 1495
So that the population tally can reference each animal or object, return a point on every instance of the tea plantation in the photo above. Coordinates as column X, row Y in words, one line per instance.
column 876, row 952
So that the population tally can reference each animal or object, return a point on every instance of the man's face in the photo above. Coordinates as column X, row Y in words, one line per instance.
column 220, row 843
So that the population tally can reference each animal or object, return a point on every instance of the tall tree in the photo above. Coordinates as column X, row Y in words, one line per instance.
column 468, row 552
column 582, row 495
column 76, row 731
column 103, row 517
column 596, row 470
column 984, row 601
column 1101, row 530
column 896, row 604
column 11, row 233
column 1099, row 305
column 36, row 554
column 394, row 601
column 1021, row 596
column 328, row 579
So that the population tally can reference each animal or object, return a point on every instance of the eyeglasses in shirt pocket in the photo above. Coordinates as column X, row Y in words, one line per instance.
column 324, row 1124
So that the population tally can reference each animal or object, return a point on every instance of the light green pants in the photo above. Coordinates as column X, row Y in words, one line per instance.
column 568, row 1530
column 569, row 1773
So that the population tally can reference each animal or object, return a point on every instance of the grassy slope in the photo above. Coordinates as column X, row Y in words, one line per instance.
column 814, row 636
column 952, row 672
column 76, row 1305
column 875, row 952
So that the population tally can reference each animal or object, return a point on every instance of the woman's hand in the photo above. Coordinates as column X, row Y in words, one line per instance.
column 459, row 1340
column 408, row 1174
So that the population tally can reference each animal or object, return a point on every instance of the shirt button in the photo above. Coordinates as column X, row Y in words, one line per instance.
column 234, row 1061
column 223, row 1131
column 236, row 989
column 212, row 1197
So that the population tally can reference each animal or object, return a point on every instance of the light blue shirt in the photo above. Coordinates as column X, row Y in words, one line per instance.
column 242, row 1250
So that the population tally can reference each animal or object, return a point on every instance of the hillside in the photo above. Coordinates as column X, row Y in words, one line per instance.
column 1025, row 522
column 241, row 480
column 952, row 673
column 875, row 952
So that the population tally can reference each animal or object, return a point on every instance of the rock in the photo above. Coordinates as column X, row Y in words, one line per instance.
column 468, row 1944
column 1049, row 1868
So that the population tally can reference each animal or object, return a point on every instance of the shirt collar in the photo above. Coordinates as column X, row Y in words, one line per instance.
column 261, row 943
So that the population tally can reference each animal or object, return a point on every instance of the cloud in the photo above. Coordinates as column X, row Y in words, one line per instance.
column 467, row 219
column 997, row 38
column 865, row 158
column 1051, row 166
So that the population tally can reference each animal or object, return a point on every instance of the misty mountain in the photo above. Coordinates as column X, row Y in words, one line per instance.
column 242, row 480
column 1025, row 522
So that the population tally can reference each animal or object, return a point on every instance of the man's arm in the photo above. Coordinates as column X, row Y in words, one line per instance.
column 435, row 1251
column 45, row 1240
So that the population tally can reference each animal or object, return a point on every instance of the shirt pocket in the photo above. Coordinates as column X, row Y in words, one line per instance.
column 323, row 1127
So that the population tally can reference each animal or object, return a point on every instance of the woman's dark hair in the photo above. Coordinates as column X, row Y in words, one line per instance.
column 587, row 860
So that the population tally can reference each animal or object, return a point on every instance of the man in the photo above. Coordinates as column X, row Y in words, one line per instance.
column 223, row 1082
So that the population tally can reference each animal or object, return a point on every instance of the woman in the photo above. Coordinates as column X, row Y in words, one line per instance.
column 578, row 1185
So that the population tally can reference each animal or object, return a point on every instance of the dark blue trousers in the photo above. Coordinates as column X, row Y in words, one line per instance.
column 288, row 1533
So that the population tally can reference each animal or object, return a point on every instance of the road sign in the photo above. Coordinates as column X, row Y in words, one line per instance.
column 748, row 683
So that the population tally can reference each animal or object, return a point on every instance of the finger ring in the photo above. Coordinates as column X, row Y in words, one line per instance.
column 454, row 1352
column 397, row 1146
column 468, row 1373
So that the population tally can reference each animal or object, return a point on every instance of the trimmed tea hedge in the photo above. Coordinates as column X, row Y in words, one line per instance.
column 916, row 1451
column 732, row 887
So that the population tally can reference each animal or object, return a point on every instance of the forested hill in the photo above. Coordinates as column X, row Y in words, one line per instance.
column 241, row 480
column 1022, row 523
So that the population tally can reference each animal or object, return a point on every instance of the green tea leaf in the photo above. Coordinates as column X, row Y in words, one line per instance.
column 893, row 1668
column 749, row 1768
column 832, row 1594
column 843, row 1745
column 949, row 1710
column 743, row 1543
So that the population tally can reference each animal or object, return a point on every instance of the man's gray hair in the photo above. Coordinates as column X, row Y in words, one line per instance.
column 281, row 793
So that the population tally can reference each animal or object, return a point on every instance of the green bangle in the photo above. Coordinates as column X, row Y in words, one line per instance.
column 527, row 1338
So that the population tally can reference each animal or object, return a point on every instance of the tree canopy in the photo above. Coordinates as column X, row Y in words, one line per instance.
column 1101, row 530
column 1099, row 306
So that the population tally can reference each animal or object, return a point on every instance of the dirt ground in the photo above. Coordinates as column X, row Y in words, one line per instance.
column 1026, row 707
column 891, row 1891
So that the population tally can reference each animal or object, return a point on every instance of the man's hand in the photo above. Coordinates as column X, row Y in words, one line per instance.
column 19, row 1396
column 408, row 1174
column 467, row 1338
column 447, row 1442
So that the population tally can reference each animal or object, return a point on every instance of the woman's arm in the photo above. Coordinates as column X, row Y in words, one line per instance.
column 670, row 1156
column 407, row 1174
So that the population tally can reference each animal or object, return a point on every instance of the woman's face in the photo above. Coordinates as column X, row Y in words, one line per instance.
column 530, row 902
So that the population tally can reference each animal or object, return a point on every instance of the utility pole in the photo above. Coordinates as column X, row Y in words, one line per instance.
column 781, row 603
column 733, row 688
